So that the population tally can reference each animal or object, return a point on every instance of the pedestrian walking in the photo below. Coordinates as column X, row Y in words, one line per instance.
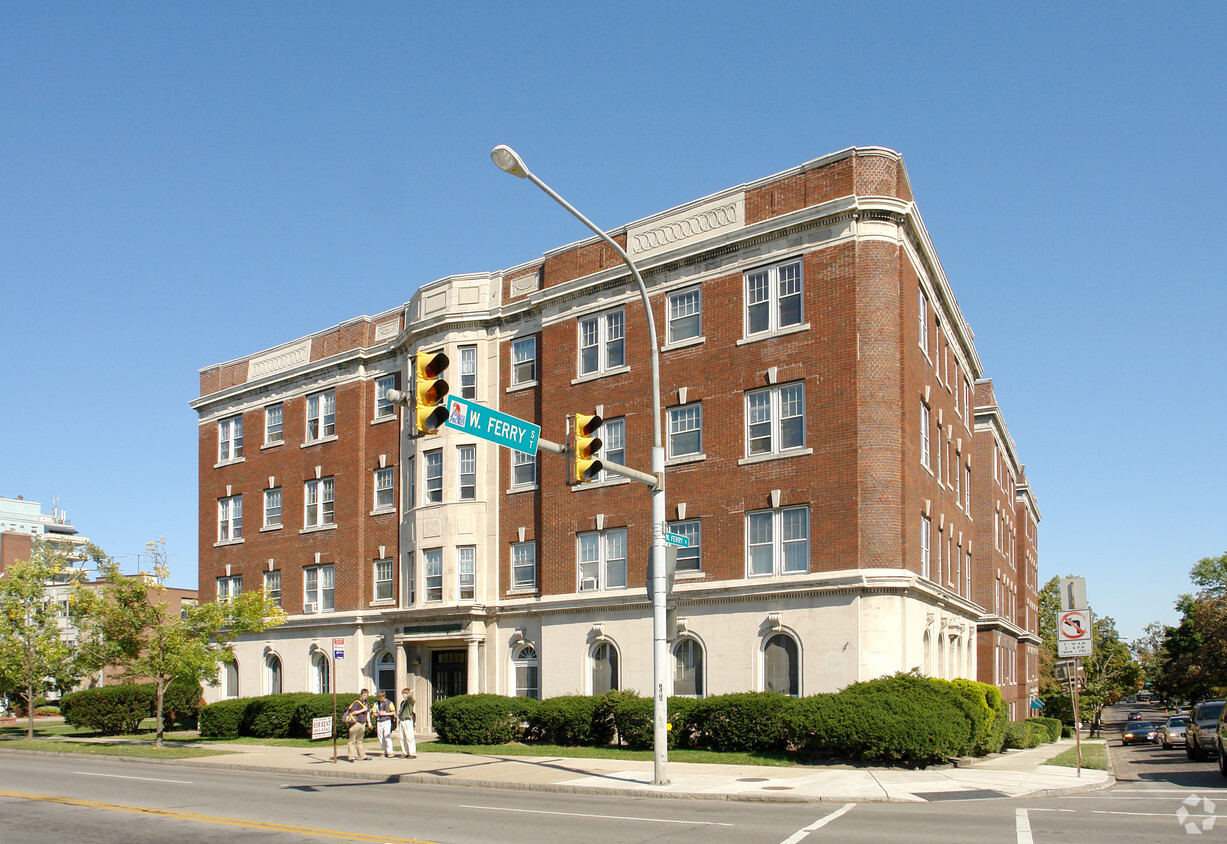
column 385, row 720
column 406, row 723
column 356, row 718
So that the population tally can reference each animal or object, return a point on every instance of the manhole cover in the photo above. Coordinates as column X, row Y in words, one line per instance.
column 752, row 779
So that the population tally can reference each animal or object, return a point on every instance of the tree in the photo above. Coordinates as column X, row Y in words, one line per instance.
column 136, row 629
column 1192, row 660
column 34, row 657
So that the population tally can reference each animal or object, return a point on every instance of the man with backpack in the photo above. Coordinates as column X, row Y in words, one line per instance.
column 356, row 717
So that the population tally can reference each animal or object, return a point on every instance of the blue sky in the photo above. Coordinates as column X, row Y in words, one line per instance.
column 182, row 184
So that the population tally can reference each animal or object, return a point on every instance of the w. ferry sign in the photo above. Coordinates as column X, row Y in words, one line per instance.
column 501, row 428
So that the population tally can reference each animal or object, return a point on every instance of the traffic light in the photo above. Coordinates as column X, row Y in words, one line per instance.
column 587, row 464
column 430, row 390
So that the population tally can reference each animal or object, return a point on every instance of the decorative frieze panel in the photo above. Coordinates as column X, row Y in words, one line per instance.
column 279, row 360
column 692, row 225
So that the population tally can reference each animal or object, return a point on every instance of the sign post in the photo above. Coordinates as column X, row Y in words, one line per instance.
column 338, row 652
column 1074, row 640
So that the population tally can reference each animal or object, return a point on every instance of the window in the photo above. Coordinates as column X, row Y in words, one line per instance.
column 923, row 332
column 230, row 518
column 775, row 419
column 528, row 672
column 466, row 572
column 408, row 582
column 434, row 476
column 773, row 298
column 318, row 505
column 468, row 372
column 690, row 557
column 272, row 671
column 524, row 565
column 272, row 507
column 686, row 430
column 602, row 560
column 231, row 688
column 434, row 573
column 411, row 487
column 321, row 416
column 688, row 668
column 229, row 587
column 319, row 673
column 925, row 459
column 777, row 541
column 383, row 580
column 273, row 424
column 967, row 489
column 967, row 402
column 523, row 469
column 467, row 455
column 272, row 586
column 685, row 315
column 780, row 666
column 613, row 449
column 602, row 342
column 604, row 668
column 385, row 493
column 230, row 439
column 383, row 407
column 319, row 589
column 385, row 675
column 926, row 532
column 523, row 361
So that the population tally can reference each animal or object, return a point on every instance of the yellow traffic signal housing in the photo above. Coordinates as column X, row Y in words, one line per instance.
column 587, row 464
column 429, row 411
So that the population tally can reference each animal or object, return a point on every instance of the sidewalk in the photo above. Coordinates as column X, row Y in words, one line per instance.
column 1016, row 773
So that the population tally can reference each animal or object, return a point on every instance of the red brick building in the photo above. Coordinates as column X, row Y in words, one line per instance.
column 822, row 457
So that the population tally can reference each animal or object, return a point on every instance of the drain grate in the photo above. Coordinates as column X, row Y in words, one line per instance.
column 752, row 779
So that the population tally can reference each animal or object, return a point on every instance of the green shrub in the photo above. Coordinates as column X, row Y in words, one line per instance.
column 181, row 704
column 222, row 719
column 1052, row 725
column 744, row 721
column 985, row 703
column 635, row 718
column 47, row 710
column 270, row 716
column 1024, row 734
column 481, row 719
column 573, row 720
column 109, row 710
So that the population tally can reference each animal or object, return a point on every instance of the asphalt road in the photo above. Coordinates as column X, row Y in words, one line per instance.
column 1160, row 796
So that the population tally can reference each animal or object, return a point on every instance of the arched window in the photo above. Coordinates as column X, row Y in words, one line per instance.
column 688, row 668
column 781, row 666
column 927, row 665
column 604, row 668
column 272, row 666
column 528, row 672
column 232, row 680
column 319, row 673
column 385, row 675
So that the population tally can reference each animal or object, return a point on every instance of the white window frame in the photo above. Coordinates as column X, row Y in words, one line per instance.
column 319, row 587
column 923, row 332
column 605, row 335
column 321, row 416
column 519, row 461
column 230, row 518
column 468, row 372
column 926, row 443
column 524, row 361
column 319, row 503
column 684, row 421
column 692, row 529
column 382, row 577
column 685, row 306
column 523, row 565
column 762, row 288
column 466, row 472
column 272, row 585
column 466, row 572
column 926, row 538
column 433, row 467
column 385, row 489
column 384, row 409
column 697, row 666
column 598, row 566
column 613, row 447
column 274, row 424
column 273, row 508
column 230, row 439
column 432, row 572
column 779, row 397
column 778, row 540
column 525, row 659
column 229, row 587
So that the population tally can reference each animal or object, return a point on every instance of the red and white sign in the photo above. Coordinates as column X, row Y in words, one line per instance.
column 1074, row 633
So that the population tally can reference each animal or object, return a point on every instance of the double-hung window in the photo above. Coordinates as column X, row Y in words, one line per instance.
column 524, row 565
column 321, row 415
column 466, row 572
column 689, row 558
column 467, row 463
column 319, row 588
column 777, row 541
column 383, row 407
column 602, row 342
column 230, row 518
column 272, row 586
column 274, row 424
column 926, row 535
column 773, row 298
column 228, row 588
column 468, row 372
column 685, row 314
column 318, row 507
column 523, row 361
column 922, row 306
column 523, row 469
column 925, row 459
column 613, row 449
column 385, row 488
column 433, row 562
column 230, row 439
column 602, row 560
column 272, row 507
column 434, row 476
column 686, row 430
column 775, row 419
column 383, row 580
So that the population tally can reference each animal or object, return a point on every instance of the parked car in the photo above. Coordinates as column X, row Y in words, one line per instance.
column 1173, row 731
column 1201, row 733
column 1138, row 732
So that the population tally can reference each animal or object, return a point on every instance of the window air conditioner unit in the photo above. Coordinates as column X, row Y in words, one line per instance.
column 588, row 584
column 311, row 607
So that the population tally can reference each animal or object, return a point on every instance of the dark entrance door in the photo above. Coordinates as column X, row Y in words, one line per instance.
column 449, row 673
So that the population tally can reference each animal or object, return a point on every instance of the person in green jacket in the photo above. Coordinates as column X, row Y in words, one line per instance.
column 405, row 722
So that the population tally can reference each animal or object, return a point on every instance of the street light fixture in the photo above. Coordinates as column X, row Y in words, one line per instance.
column 509, row 161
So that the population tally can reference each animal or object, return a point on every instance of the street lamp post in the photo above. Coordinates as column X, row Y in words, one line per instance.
column 510, row 162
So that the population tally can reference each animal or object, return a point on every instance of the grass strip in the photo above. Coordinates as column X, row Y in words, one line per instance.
column 1094, row 757
column 710, row 757
column 143, row 751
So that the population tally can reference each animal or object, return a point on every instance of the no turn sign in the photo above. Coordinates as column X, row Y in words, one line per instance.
column 1074, row 633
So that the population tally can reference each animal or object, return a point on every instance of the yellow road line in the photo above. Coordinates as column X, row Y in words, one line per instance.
column 167, row 813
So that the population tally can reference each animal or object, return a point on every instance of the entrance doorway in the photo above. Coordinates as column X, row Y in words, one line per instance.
column 449, row 673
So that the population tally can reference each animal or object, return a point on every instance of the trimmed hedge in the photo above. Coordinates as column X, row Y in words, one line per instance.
column 275, row 716
column 635, row 719
column 1024, row 734
column 1053, row 725
column 109, row 710
column 481, row 719
column 573, row 720
column 743, row 721
column 988, row 715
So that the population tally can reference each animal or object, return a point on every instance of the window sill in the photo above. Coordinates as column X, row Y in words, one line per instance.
column 593, row 376
column 526, row 385
column 379, row 420
column 684, row 459
column 684, row 344
column 384, row 511
column 767, row 458
column 524, row 488
column 777, row 574
column 222, row 463
column 272, row 445
column 268, row 528
column 523, row 591
column 779, row 332
column 616, row 480
column 225, row 542
column 383, row 602
column 320, row 441
column 318, row 528
column 690, row 575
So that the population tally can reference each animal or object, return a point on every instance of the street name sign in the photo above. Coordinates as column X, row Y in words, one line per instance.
column 677, row 539
column 1074, row 633
column 500, row 428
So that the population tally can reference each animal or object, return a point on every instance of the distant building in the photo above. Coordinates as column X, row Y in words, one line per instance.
column 22, row 521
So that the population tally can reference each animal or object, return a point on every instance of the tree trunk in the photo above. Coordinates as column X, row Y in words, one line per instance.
column 29, row 712
column 157, row 742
